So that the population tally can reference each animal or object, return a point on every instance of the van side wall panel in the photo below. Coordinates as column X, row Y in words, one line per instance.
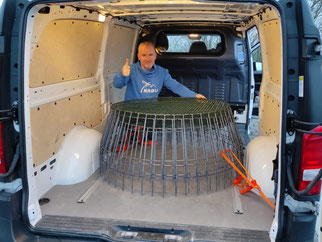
column 67, row 50
column 120, row 45
column 51, row 122
column 270, row 90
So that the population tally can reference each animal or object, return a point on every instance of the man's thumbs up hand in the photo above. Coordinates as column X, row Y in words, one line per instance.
column 126, row 69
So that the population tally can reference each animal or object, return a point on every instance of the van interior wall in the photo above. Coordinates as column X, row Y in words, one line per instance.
column 121, row 44
column 63, row 63
column 269, row 29
column 261, row 151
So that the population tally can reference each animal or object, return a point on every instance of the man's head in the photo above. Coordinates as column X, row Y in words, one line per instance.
column 146, row 55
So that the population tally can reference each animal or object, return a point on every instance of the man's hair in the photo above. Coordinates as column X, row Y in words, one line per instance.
column 145, row 44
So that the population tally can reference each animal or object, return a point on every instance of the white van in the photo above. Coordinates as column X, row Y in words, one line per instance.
column 58, row 61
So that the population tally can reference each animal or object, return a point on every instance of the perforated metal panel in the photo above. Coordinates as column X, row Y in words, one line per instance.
column 169, row 145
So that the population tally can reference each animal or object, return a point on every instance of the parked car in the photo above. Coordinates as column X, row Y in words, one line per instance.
column 58, row 61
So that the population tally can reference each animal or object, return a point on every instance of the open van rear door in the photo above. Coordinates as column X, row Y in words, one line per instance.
column 11, row 40
column 8, row 84
column 301, row 152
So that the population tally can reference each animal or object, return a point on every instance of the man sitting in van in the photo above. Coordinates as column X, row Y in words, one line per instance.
column 145, row 79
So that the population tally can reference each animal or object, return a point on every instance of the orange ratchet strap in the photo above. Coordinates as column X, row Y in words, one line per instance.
column 238, row 181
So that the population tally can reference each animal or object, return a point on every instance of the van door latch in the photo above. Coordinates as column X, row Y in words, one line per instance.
column 290, row 122
column 10, row 113
column 148, row 234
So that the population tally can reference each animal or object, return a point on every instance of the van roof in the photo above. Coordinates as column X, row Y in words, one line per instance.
column 155, row 11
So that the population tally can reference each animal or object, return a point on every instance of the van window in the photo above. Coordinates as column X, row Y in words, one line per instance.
column 194, row 43
column 255, row 47
column 253, row 38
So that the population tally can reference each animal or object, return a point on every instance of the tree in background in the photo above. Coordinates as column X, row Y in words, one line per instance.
column 316, row 9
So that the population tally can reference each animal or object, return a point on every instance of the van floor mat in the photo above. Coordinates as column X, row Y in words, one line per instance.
column 212, row 209
column 147, row 230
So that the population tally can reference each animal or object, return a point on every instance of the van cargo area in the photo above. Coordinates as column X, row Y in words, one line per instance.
column 111, row 205
column 73, row 51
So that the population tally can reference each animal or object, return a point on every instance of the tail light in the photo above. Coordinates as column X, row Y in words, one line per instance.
column 2, row 161
column 311, row 161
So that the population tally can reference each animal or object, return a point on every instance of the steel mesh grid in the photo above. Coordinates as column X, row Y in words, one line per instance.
column 182, row 155
column 171, row 105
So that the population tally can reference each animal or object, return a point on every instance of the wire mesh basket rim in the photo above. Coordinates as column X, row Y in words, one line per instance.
column 171, row 106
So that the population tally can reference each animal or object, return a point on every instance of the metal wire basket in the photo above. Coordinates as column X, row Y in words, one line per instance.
column 169, row 146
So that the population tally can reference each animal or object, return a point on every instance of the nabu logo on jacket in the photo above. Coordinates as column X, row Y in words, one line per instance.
column 148, row 88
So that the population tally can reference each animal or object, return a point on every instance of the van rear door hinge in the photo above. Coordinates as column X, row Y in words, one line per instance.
column 11, row 187
column 10, row 113
column 301, row 207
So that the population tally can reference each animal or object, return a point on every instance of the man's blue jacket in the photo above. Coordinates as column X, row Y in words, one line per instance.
column 148, row 84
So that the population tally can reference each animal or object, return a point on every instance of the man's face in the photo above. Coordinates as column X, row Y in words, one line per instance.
column 146, row 56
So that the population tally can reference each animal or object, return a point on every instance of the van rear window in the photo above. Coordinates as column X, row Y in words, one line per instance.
column 192, row 43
